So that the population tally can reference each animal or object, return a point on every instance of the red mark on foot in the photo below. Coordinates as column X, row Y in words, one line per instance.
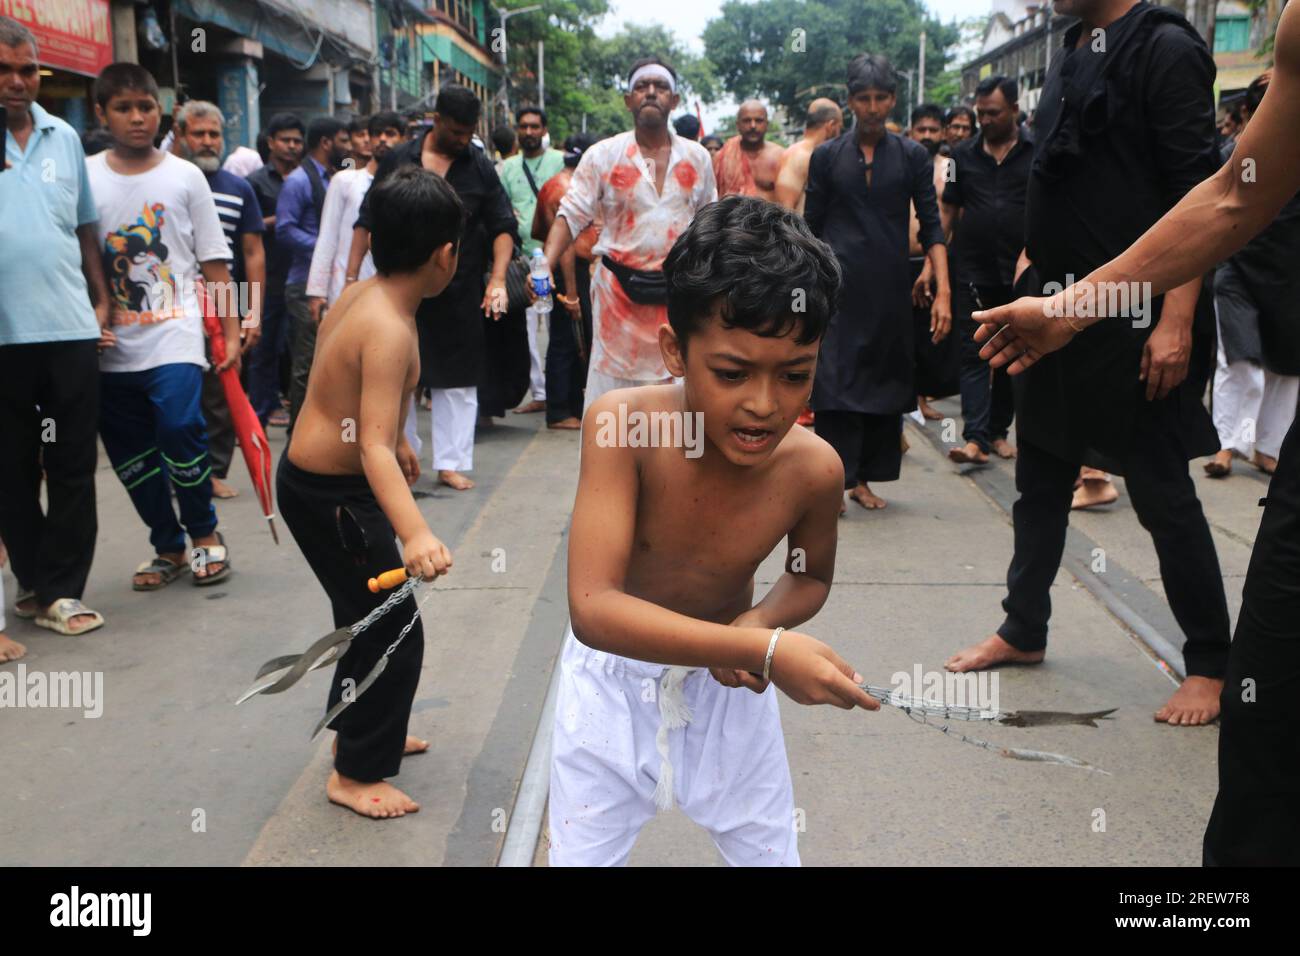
column 374, row 799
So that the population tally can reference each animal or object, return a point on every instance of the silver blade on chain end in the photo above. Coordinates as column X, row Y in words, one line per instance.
column 352, row 697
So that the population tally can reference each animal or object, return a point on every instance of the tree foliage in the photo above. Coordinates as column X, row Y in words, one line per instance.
column 790, row 52
column 587, row 74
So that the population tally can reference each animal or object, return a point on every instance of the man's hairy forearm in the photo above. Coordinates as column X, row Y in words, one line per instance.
column 618, row 623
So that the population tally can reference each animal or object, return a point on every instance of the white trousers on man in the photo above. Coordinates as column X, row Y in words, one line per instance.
column 613, row 745
column 1253, row 407
column 454, row 414
column 536, row 368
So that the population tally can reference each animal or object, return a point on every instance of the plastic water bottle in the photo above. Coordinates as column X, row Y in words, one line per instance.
column 541, row 278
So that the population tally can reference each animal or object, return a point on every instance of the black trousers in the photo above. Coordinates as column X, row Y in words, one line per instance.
column 221, row 427
column 344, row 535
column 870, row 446
column 1256, row 817
column 49, row 419
column 1165, row 501
column 987, row 399
column 566, row 369
column 302, row 347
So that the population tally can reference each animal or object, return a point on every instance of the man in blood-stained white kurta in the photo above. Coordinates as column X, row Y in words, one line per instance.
column 616, row 182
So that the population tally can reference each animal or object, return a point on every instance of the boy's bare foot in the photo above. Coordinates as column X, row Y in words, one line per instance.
column 1265, row 463
column 379, row 800
column 1220, row 466
column 1093, row 492
column 222, row 490
column 1193, row 704
column 533, row 406
column 454, row 479
column 863, row 496
column 903, row 444
column 153, row 579
column 1003, row 448
column 569, row 423
column 414, row 745
column 989, row 652
column 10, row 650
column 927, row 412
column 968, row 454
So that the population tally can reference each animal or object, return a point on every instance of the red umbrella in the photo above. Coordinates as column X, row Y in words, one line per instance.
column 248, row 430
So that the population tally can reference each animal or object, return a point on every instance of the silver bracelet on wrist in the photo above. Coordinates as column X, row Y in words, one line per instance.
column 771, row 649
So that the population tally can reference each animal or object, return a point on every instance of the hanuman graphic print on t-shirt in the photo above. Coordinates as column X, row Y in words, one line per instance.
column 142, row 283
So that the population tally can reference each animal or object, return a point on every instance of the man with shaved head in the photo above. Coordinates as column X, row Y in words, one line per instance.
column 824, row 122
column 748, row 164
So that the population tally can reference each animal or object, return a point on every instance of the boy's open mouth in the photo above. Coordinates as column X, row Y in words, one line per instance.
column 752, row 439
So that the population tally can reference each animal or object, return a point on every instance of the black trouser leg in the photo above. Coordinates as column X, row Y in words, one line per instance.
column 302, row 347
column 868, row 445
column 564, row 372
column 221, row 427
column 1164, row 499
column 1256, row 818
column 1041, row 516
column 341, row 529
column 52, row 551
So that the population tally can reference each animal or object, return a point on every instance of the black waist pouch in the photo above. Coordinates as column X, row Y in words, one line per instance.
column 643, row 288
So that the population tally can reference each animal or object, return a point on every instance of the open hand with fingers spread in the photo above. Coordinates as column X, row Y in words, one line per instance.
column 1019, row 333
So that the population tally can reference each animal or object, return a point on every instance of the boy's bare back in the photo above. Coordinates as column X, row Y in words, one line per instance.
column 700, row 532
column 327, row 435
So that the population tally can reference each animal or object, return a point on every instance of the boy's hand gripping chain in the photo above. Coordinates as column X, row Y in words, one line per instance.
column 280, row 673
column 921, row 710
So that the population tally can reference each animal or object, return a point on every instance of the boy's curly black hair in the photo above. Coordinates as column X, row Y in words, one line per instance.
column 758, row 266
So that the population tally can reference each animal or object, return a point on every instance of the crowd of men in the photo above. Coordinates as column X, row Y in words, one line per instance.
column 101, row 326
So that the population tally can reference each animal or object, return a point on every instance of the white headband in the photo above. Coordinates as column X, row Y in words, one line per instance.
column 656, row 70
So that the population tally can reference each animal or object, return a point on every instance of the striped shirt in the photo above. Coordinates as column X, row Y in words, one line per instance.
column 240, row 213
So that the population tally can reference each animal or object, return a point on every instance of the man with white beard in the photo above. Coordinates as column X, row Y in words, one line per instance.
column 200, row 126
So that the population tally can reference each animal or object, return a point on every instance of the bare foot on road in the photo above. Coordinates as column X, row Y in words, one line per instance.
column 988, row 653
column 1093, row 493
column 569, row 423
column 1220, row 466
column 968, row 454
column 533, row 406
column 379, row 800
column 1003, row 448
column 10, row 650
column 222, row 490
column 454, row 479
column 927, row 412
column 1265, row 463
column 863, row 496
column 1193, row 704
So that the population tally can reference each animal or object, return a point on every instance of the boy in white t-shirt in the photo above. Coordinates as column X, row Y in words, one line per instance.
column 161, row 232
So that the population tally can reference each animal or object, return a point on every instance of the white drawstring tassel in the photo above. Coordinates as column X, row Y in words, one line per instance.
column 673, row 715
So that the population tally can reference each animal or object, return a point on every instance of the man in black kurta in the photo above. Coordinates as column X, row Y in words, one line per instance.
column 859, row 189
column 451, row 325
column 1124, row 129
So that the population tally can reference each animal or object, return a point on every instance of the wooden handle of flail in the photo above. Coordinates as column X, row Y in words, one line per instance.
column 389, row 579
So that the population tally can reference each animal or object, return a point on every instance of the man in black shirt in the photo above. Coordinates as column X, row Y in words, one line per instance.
column 861, row 188
column 1124, row 128
column 285, row 135
column 451, row 325
column 984, row 204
